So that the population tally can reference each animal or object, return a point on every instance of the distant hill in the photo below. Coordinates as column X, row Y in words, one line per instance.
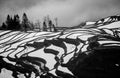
column 110, row 21
column 103, row 22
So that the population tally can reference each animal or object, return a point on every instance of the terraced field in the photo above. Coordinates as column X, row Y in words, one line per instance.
column 72, row 53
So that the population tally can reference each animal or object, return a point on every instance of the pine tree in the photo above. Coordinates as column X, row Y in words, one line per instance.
column 3, row 27
column 8, row 19
column 44, row 26
column 17, row 22
column 50, row 25
column 55, row 30
column 9, row 22
column 25, row 22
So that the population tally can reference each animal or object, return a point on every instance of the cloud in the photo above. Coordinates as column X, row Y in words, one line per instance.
column 69, row 12
column 16, row 6
column 20, row 3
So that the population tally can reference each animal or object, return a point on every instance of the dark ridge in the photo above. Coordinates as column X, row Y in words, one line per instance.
column 37, row 45
column 15, row 69
column 31, row 59
column 71, row 41
column 64, row 75
column 56, row 42
column 100, row 63
column 51, row 51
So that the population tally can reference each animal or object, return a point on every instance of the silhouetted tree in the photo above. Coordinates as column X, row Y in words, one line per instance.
column 3, row 27
column 50, row 25
column 13, row 23
column 16, row 23
column 8, row 19
column 55, row 30
column 17, row 20
column 9, row 22
column 25, row 22
column 44, row 26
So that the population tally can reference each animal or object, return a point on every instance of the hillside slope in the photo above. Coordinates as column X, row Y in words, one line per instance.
column 89, row 52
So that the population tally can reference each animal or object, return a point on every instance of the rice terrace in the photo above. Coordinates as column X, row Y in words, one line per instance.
column 59, row 38
column 90, row 51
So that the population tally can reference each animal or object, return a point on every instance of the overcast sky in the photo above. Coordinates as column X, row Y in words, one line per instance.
column 69, row 12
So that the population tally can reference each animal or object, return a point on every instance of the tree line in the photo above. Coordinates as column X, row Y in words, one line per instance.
column 14, row 23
